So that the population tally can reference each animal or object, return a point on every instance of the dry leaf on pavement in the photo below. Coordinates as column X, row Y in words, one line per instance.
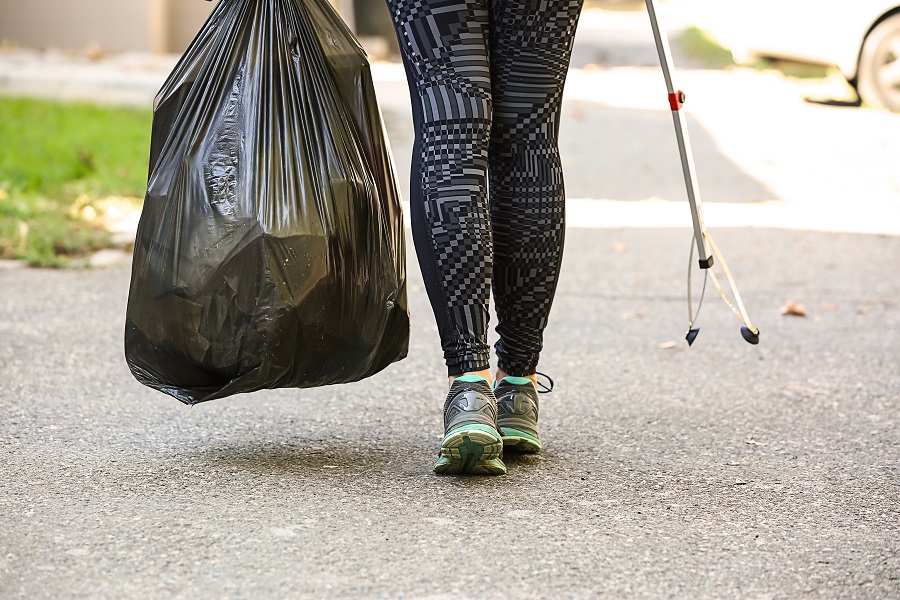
column 793, row 308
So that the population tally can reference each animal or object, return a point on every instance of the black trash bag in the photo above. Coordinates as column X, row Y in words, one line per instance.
column 270, row 251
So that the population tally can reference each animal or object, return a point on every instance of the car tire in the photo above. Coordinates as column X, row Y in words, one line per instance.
column 879, row 65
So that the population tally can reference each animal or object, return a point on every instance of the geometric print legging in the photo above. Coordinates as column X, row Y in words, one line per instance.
column 487, row 200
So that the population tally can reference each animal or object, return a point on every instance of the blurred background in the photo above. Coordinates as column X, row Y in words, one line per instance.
column 789, row 103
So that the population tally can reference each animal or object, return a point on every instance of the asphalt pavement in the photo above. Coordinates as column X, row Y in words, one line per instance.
column 722, row 470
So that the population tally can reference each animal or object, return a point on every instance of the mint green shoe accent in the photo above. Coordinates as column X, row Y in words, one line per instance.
column 447, row 466
column 515, row 440
column 475, row 427
column 516, row 381
column 474, row 449
column 471, row 378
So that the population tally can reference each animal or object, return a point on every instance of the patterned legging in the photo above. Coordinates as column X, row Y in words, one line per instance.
column 486, row 80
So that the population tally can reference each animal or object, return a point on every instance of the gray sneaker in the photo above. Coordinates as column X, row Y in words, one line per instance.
column 517, row 414
column 472, row 442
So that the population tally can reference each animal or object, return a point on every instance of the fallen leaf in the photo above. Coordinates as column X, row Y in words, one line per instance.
column 666, row 345
column 793, row 308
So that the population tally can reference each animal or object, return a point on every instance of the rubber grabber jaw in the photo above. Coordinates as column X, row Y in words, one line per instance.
column 751, row 335
column 691, row 336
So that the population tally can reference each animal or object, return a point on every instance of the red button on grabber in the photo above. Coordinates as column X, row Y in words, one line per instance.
column 676, row 100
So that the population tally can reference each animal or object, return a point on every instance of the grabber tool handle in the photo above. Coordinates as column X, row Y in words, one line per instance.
column 676, row 100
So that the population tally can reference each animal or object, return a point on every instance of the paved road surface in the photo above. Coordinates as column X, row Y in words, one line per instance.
column 721, row 471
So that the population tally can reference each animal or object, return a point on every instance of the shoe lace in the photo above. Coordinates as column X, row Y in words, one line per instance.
column 542, row 387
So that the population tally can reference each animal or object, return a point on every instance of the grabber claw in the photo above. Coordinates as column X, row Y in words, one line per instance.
column 751, row 335
column 691, row 335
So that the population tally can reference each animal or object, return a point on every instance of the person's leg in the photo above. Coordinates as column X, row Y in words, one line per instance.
column 530, row 44
column 444, row 48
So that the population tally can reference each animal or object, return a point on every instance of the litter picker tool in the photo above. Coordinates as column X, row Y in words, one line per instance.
column 705, row 245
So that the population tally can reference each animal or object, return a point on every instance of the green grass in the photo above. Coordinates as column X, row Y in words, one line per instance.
column 57, row 162
column 699, row 44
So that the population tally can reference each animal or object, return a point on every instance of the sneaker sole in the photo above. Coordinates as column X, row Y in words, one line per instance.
column 471, row 449
column 515, row 440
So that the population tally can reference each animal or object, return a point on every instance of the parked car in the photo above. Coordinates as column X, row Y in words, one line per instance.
column 861, row 38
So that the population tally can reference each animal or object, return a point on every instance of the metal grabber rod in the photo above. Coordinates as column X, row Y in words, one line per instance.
column 676, row 100
column 706, row 247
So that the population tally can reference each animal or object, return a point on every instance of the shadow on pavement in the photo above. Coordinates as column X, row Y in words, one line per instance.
column 632, row 154
column 618, row 153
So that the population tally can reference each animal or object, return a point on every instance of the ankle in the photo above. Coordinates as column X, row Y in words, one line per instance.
column 501, row 374
column 486, row 374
